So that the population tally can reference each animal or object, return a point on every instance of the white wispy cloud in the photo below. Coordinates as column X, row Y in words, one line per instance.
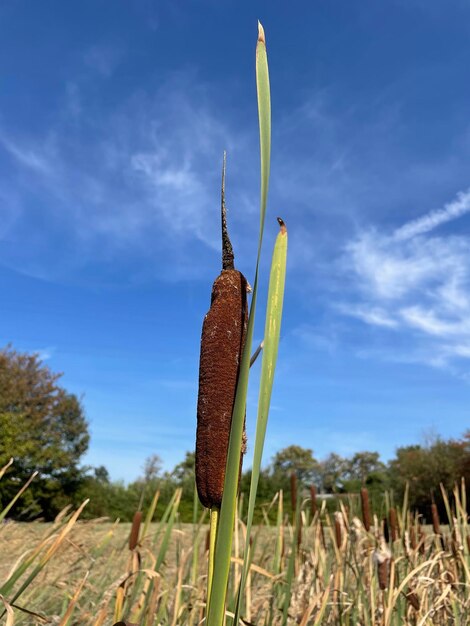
column 451, row 211
column 33, row 157
column 116, row 184
column 416, row 282
column 45, row 354
column 376, row 316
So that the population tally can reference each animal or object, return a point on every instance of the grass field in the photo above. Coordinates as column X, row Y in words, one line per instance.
column 325, row 569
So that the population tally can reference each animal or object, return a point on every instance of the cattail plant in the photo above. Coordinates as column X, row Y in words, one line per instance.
column 436, row 527
column 413, row 600
column 394, row 530
column 338, row 529
column 313, row 500
column 135, row 528
column 365, row 505
column 382, row 556
column 386, row 531
column 222, row 342
column 228, row 475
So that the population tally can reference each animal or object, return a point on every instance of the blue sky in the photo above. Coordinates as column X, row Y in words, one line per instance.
column 113, row 120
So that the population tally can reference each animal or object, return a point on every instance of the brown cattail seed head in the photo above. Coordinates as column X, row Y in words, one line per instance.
column 338, row 529
column 222, row 342
column 385, row 529
column 135, row 528
column 435, row 519
column 413, row 600
column 382, row 556
column 313, row 500
column 365, row 508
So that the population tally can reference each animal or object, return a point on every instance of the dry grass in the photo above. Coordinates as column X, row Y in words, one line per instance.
column 337, row 573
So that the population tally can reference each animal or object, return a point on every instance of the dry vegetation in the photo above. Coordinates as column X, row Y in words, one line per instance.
column 316, row 569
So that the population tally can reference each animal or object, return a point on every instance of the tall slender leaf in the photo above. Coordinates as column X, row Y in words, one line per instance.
column 227, row 512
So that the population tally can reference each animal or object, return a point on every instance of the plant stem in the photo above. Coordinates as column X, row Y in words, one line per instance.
column 214, row 522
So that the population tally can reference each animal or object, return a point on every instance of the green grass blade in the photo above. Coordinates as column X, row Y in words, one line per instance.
column 45, row 558
column 227, row 512
column 5, row 467
column 291, row 565
column 13, row 501
column 150, row 514
column 169, row 527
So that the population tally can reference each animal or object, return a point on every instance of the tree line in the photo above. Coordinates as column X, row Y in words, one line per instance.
column 43, row 427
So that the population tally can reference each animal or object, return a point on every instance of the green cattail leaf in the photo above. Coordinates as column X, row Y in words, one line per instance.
column 264, row 113
column 272, row 333
column 150, row 513
column 223, row 548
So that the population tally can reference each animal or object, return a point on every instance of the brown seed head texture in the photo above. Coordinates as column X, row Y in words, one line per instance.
column 382, row 556
column 222, row 342
column 395, row 531
column 313, row 500
column 365, row 508
column 435, row 519
column 338, row 530
column 134, row 534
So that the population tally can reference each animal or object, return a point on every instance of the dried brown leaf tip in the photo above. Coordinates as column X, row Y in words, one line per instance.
column 282, row 225
column 222, row 343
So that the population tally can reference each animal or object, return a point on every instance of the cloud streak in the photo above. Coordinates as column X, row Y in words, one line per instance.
column 415, row 283
column 451, row 211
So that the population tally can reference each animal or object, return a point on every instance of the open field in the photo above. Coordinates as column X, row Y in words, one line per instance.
column 325, row 569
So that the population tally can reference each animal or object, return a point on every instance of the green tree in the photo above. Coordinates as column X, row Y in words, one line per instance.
column 43, row 428
column 333, row 472
column 426, row 467
column 295, row 459
column 362, row 465
column 184, row 472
